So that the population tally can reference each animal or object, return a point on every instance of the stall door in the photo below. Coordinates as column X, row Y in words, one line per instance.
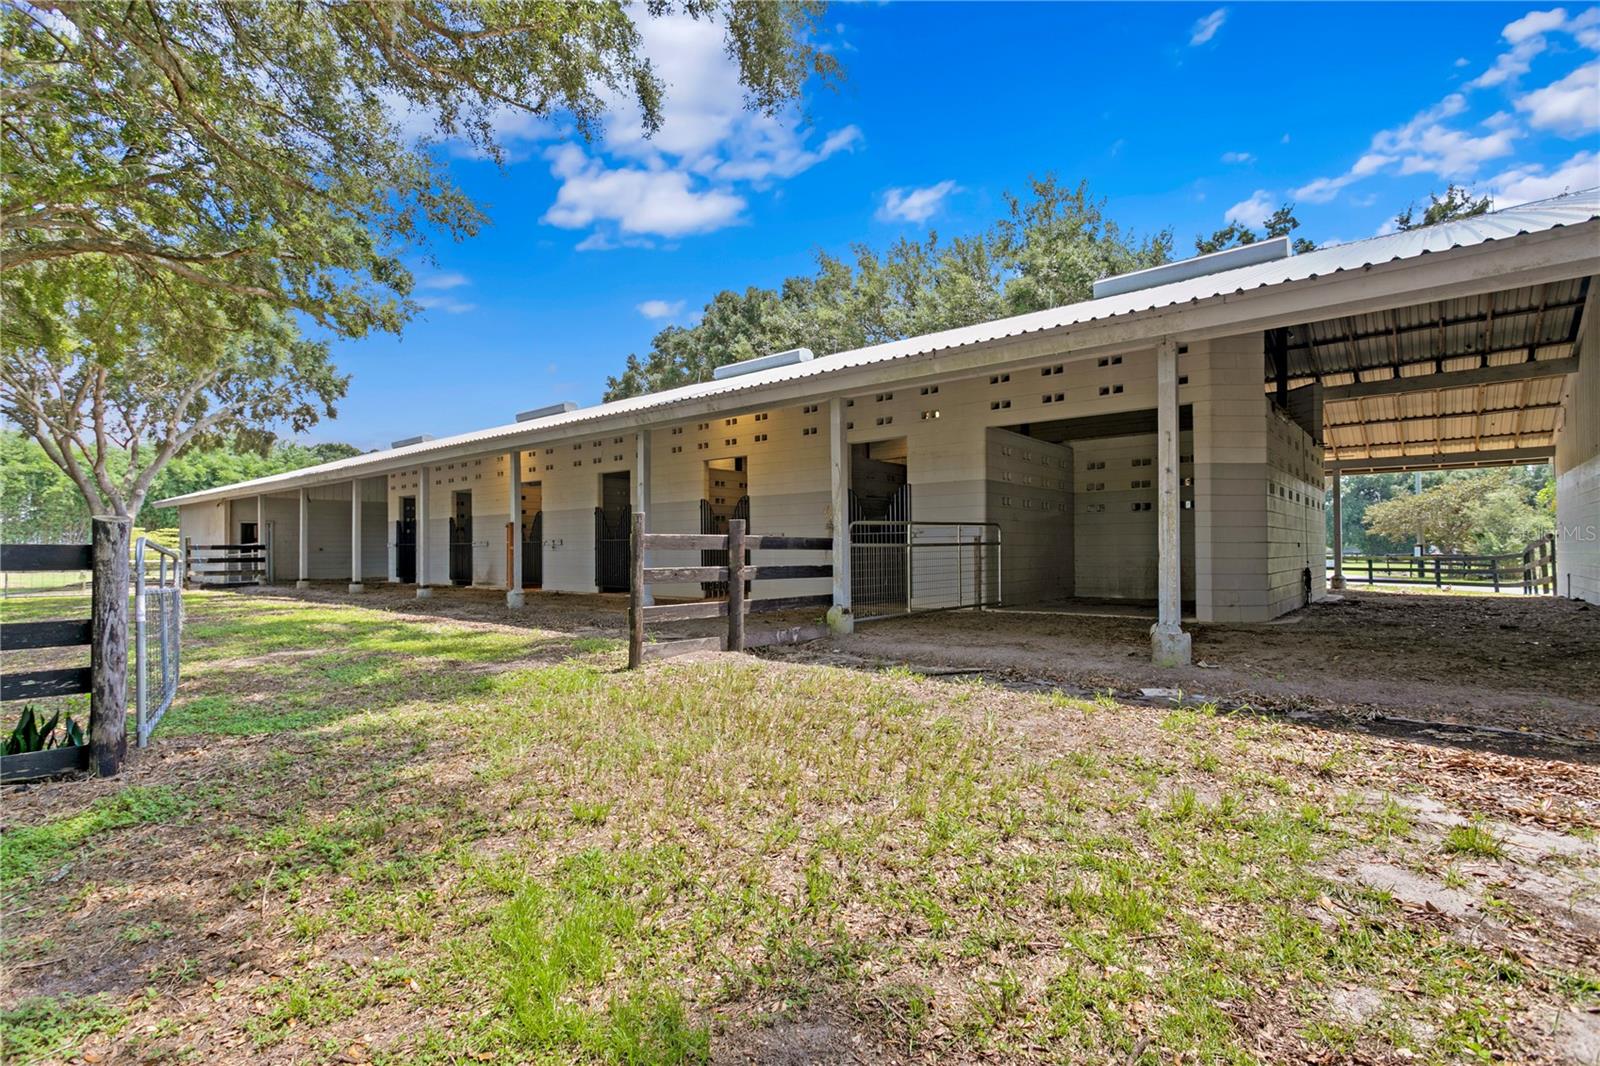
column 612, row 521
column 461, row 538
column 405, row 541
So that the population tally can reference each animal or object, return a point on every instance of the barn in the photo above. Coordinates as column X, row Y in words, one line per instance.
column 1167, row 443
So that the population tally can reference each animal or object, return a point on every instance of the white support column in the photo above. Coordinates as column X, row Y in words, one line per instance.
column 424, row 486
column 1337, row 581
column 1169, row 644
column 641, row 495
column 841, row 619
column 356, row 573
column 514, row 596
column 303, row 576
column 263, row 535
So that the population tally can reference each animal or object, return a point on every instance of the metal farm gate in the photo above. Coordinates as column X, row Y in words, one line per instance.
column 897, row 567
column 158, row 629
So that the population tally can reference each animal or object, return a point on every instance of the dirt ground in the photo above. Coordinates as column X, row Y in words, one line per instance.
column 1517, row 673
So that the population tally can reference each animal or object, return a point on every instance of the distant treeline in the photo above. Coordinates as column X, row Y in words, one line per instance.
column 40, row 505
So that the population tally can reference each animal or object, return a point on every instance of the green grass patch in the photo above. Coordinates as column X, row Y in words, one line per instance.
column 51, row 1027
column 26, row 849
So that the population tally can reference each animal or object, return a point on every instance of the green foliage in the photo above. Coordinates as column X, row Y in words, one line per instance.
column 1456, row 203
column 49, row 1027
column 187, row 180
column 28, row 736
column 1280, row 223
column 1533, row 485
column 1486, row 511
column 1473, row 839
column 26, row 848
column 1047, row 251
column 39, row 503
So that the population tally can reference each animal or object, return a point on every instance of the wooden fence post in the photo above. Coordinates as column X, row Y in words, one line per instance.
column 736, row 584
column 108, row 654
column 636, row 592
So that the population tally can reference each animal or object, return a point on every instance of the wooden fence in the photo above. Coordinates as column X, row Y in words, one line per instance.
column 1533, row 570
column 735, row 606
column 105, row 632
column 226, row 565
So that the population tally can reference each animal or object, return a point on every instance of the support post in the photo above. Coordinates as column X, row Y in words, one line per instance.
column 841, row 619
column 514, row 596
column 356, row 568
column 736, row 584
column 303, row 576
column 636, row 592
column 641, row 492
column 1338, row 532
column 1169, row 644
column 108, row 655
column 188, row 561
column 424, row 494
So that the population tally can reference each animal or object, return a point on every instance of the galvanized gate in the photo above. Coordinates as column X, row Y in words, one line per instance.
column 899, row 567
column 158, row 631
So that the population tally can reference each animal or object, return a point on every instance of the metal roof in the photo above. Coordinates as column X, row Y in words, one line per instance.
column 1569, row 210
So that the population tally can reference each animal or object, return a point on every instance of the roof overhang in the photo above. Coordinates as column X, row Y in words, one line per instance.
column 1217, row 306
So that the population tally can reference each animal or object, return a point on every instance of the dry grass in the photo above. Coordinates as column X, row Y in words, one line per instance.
column 361, row 836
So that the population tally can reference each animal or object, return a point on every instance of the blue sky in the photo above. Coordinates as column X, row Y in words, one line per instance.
column 1179, row 115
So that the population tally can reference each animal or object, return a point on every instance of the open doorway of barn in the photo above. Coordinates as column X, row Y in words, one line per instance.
column 530, row 525
column 880, row 527
column 611, row 522
column 726, row 496
column 1075, row 501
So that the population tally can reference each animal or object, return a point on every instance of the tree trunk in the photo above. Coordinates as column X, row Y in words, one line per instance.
column 108, row 655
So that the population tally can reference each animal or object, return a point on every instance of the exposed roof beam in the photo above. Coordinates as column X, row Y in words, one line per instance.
column 1455, row 414
column 1450, row 379
column 1398, row 464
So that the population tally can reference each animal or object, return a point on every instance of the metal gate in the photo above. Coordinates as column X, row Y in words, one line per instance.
column 158, row 628
column 533, row 553
column 611, row 558
column 901, row 567
column 717, row 523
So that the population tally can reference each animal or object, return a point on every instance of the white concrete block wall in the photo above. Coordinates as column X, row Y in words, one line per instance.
column 1296, row 528
column 1223, row 380
column 1115, row 518
column 569, row 474
column 204, row 523
column 1030, row 498
column 484, row 477
column 1577, row 469
column 396, row 485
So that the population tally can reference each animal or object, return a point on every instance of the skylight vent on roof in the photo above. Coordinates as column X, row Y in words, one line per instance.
column 763, row 362
column 1198, row 267
column 409, row 441
column 545, row 412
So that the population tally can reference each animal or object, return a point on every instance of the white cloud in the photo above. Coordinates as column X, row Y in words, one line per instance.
column 1424, row 145
column 448, row 304
column 636, row 200
column 1519, row 185
column 1570, row 106
column 1234, row 158
column 1527, row 38
column 1252, row 212
column 660, row 308
column 695, row 173
column 450, row 279
column 914, row 205
column 1206, row 28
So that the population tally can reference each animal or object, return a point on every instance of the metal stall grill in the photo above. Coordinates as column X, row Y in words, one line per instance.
column 611, row 555
column 533, row 552
column 158, row 619
column 902, row 567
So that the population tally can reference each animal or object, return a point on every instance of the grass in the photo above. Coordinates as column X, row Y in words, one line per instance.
column 450, row 844
column 1473, row 839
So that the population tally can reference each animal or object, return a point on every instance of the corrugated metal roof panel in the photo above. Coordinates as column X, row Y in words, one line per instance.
column 1569, row 210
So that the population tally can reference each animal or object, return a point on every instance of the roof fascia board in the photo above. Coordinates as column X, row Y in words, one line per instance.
column 1529, row 259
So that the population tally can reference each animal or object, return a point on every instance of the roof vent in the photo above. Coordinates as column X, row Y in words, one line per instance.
column 1201, row 265
column 763, row 362
column 545, row 412
column 409, row 441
